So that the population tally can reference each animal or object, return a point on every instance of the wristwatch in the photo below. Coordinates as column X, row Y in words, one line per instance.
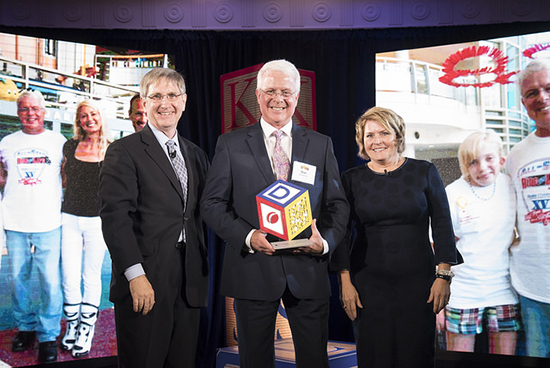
column 446, row 275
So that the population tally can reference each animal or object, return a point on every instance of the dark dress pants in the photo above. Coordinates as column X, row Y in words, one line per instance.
column 167, row 335
column 308, row 320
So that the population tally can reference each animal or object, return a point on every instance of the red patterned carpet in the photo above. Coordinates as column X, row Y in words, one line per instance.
column 104, row 343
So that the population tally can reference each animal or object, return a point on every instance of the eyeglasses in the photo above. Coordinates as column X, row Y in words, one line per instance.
column 157, row 97
column 26, row 110
column 284, row 94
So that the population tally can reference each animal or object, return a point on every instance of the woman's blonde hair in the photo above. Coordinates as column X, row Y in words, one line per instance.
column 470, row 148
column 388, row 119
column 104, row 133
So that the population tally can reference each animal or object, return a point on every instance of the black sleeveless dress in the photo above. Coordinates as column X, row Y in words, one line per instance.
column 392, row 262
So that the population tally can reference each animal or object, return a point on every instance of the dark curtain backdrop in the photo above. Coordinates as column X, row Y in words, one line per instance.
column 344, row 66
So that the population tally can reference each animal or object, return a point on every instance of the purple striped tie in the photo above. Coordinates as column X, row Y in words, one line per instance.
column 280, row 159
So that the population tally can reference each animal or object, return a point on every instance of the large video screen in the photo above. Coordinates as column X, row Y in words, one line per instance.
column 445, row 93
column 65, row 74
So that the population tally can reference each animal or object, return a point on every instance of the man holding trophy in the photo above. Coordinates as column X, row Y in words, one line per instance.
column 255, row 274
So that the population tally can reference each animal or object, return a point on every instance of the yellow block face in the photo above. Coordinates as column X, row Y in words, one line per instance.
column 298, row 215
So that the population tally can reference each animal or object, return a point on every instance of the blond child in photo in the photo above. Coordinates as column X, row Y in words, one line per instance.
column 482, row 204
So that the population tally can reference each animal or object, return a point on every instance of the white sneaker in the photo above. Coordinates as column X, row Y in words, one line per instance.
column 69, row 339
column 83, row 343
column 72, row 311
column 85, row 331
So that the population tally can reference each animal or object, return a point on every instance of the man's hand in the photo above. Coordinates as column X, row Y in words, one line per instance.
column 259, row 243
column 316, row 240
column 143, row 295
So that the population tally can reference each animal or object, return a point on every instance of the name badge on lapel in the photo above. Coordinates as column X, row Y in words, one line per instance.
column 303, row 172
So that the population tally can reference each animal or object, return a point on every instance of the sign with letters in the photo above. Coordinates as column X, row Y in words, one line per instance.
column 240, row 107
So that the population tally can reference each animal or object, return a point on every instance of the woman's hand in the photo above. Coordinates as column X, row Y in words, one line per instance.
column 440, row 293
column 349, row 297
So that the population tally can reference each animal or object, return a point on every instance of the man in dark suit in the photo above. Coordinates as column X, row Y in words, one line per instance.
column 150, row 185
column 258, row 277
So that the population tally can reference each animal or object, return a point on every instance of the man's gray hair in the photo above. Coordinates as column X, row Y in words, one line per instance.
column 161, row 73
column 534, row 66
column 34, row 95
column 283, row 66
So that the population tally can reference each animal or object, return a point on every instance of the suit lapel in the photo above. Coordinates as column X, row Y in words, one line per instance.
column 156, row 152
column 256, row 144
column 299, row 145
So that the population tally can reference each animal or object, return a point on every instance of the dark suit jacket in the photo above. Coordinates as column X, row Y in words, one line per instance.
column 142, row 214
column 240, row 170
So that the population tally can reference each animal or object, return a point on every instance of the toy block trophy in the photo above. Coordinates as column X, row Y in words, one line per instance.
column 284, row 211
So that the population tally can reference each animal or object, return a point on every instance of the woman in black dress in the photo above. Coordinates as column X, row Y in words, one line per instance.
column 389, row 284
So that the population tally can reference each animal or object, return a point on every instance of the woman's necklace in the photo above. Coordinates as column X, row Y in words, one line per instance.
column 478, row 197
column 386, row 169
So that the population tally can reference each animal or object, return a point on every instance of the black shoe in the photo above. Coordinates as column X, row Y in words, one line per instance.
column 23, row 341
column 47, row 352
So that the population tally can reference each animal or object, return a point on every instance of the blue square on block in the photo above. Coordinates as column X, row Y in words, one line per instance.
column 281, row 192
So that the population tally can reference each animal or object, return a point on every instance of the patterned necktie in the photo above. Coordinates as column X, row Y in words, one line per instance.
column 280, row 159
column 179, row 167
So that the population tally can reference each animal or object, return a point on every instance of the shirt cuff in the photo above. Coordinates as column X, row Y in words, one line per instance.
column 325, row 246
column 134, row 271
column 247, row 241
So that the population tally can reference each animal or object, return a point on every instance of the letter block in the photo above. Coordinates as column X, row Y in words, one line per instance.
column 284, row 209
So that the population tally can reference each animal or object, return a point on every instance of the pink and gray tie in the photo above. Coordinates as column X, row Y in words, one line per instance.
column 280, row 159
